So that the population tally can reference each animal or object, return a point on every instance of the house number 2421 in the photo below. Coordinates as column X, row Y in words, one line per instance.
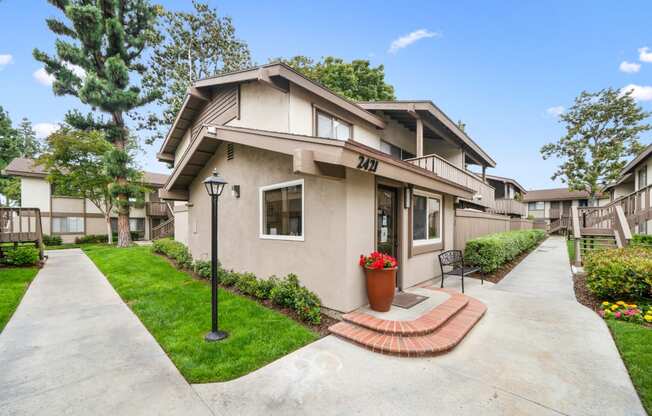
column 367, row 163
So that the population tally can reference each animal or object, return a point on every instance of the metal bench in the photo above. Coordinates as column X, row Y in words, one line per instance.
column 454, row 259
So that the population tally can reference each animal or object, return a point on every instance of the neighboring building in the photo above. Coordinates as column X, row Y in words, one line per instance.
column 632, row 189
column 71, row 217
column 509, row 196
column 315, row 180
column 552, row 204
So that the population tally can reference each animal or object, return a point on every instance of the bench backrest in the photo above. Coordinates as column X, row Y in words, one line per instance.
column 451, row 258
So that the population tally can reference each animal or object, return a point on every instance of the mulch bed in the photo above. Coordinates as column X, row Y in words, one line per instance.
column 321, row 329
column 582, row 293
column 499, row 274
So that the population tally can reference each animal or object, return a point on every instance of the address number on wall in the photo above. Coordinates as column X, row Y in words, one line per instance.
column 367, row 163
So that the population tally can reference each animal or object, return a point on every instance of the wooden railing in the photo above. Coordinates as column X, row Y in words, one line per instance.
column 163, row 230
column 445, row 169
column 509, row 206
column 158, row 209
column 559, row 213
column 21, row 225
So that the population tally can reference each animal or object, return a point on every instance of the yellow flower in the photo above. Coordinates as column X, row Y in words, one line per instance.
column 605, row 303
column 648, row 318
column 633, row 306
column 620, row 302
column 614, row 307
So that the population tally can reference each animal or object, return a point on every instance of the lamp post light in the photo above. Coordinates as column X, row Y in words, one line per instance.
column 214, row 186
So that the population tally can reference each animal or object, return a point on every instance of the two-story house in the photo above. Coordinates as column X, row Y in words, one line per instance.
column 508, row 196
column 71, row 217
column 316, row 180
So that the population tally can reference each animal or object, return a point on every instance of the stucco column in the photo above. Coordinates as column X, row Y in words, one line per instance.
column 419, row 136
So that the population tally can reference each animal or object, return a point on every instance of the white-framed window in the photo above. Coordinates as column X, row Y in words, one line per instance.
column 331, row 127
column 282, row 211
column 395, row 151
column 642, row 177
column 67, row 225
column 427, row 219
column 536, row 206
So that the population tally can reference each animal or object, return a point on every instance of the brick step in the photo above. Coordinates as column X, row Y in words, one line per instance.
column 443, row 339
column 423, row 325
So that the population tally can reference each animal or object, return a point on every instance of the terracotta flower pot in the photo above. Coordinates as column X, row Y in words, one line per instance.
column 381, row 284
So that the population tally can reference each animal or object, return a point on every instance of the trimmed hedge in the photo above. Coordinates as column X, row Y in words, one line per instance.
column 21, row 256
column 491, row 251
column 619, row 273
column 285, row 293
column 641, row 240
column 92, row 238
column 52, row 240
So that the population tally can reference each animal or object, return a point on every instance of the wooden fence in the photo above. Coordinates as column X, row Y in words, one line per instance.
column 472, row 224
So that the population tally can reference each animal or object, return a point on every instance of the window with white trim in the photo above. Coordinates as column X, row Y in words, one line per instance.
column 426, row 219
column 536, row 206
column 67, row 225
column 330, row 127
column 281, row 211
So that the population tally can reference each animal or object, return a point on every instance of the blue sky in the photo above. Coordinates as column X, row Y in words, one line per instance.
column 502, row 67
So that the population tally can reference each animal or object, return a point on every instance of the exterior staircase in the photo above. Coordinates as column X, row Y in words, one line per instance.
column 435, row 332
column 597, row 228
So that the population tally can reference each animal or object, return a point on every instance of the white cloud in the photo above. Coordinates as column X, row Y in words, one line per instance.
column 644, row 54
column 5, row 59
column 555, row 111
column 639, row 92
column 43, row 130
column 629, row 67
column 44, row 78
column 410, row 38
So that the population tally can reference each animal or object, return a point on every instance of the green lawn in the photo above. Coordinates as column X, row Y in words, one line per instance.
column 13, row 284
column 570, row 244
column 635, row 345
column 175, row 308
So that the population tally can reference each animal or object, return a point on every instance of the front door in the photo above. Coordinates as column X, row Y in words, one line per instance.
column 386, row 229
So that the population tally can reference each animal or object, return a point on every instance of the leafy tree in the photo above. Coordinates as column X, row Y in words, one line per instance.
column 75, row 161
column 356, row 80
column 602, row 129
column 190, row 46
column 30, row 145
column 98, row 60
column 9, row 149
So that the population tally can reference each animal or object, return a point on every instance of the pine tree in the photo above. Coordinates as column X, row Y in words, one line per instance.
column 98, row 58
column 30, row 145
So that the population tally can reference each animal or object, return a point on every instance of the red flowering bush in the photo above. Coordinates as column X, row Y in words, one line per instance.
column 378, row 260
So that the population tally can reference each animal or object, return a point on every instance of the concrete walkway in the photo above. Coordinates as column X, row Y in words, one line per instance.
column 74, row 348
column 536, row 352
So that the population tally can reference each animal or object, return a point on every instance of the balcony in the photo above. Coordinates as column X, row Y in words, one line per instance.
column 484, row 193
column 157, row 209
column 509, row 207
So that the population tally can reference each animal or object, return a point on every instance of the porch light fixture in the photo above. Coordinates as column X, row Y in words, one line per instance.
column 214, row 186
column 235, row 191
column 407, row 197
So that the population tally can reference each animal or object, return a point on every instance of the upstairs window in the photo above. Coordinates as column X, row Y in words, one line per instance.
column 642, row 177
column 536, row 206
column 395, row 151
column 330, row 127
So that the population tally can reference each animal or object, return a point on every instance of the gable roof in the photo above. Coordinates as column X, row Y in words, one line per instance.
column 26, row 167
column 555, row 194
column 508, row 180
column 434, row 119
column 638, row 159
column 277, row 75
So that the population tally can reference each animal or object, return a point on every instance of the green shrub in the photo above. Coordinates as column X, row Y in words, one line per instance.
column 307, row 305
column 175, row 250
column 264, row 288
column 283, row 294
column 641, row 240
column 203, row 268
column 52, row 240
column 21, row 256
column 228, row 277
column 92, row 239
column 619, row 273
column 247, row 284
column 491, row 251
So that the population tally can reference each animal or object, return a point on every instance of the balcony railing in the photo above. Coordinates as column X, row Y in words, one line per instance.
column 445, row 169
column 509, row 206
column 556, row 213
column 158, row 209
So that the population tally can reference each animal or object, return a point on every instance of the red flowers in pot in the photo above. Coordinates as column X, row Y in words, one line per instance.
column 380, row 271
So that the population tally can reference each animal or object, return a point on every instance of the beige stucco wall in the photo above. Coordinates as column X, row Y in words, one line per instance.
column 35, row 193
column 67, row 205
column 95, row 226
column 181, row 222
column 451, row 153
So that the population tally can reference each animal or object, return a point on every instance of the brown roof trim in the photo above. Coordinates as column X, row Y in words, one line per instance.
column 555, row 194
column 429, row 106
column 508, row 180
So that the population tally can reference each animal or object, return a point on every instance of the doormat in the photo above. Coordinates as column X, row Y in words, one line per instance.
column 407, row 300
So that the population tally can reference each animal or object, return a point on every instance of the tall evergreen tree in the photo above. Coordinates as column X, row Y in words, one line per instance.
column 98, row 60
column 30, row 145
column 9, row 149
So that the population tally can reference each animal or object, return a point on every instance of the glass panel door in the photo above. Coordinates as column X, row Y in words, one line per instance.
column 386, row 222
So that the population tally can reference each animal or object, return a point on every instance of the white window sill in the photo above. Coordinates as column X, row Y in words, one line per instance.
column 426, row 242
column 281, row 237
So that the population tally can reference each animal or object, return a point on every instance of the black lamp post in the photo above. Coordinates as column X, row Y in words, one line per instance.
column 214, row 185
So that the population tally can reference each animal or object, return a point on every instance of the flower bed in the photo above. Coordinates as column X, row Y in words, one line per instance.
column 491, row 251
column 284, row 293
column 620, row 273
column 624, row 311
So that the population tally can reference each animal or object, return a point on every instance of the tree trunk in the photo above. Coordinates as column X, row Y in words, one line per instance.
column 124, row 236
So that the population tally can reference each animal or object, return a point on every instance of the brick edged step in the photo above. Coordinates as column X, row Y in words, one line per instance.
column 443, row 339
column 425, row 324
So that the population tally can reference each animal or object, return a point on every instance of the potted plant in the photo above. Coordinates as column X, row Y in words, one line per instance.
column 380, row 271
